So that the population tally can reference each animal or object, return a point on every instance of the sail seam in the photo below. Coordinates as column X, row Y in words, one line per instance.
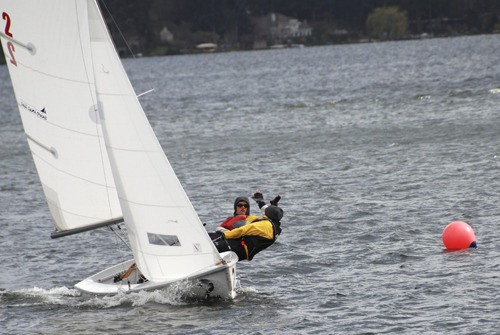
column 151, row 205
column 55, row 77
column 70, row 174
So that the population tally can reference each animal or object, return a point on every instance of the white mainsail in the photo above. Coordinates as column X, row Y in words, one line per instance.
column 48, row 55
column 68, row 69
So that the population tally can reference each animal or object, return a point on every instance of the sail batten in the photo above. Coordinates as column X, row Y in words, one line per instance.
column 52, row 150
column 28, row 46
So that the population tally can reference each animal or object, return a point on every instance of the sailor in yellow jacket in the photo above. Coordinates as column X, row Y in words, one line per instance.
column 258, row 234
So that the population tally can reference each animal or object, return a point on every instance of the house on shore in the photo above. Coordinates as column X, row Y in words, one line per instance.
column 278, row 29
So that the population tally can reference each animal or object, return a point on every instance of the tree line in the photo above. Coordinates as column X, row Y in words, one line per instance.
column 136, row 24
column 229, row 22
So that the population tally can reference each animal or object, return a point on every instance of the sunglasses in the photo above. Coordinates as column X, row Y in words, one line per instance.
column 242, row 205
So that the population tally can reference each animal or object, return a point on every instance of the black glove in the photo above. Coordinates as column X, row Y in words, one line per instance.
column 275, row 201
column 258, row 196
column 216, row 235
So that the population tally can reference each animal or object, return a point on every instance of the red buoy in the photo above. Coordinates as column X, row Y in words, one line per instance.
column 458, row 235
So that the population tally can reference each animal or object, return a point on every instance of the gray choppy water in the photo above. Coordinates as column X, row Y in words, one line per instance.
column 374, row 147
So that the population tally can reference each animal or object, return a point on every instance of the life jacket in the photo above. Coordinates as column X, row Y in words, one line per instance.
column 234, row 222
column 250, row 245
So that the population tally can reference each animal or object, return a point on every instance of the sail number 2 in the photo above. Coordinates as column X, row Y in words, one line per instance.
column 10, row 45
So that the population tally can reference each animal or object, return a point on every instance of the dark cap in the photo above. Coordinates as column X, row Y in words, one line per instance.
column 240, row 199
column 274, row 213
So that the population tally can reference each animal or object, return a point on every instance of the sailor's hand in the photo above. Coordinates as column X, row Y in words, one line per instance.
column 275, row 201
column 216, row 235
column 258, row 196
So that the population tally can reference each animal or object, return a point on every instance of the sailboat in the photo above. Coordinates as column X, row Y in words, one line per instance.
column 96, row 154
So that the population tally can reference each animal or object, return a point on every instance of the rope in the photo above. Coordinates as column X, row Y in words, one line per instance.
column 120, row 237
column 117, row 28
column 123, row 241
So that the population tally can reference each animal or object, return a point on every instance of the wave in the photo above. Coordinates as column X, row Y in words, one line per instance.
column 69, row 297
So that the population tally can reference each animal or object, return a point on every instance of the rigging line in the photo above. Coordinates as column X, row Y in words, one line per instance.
column 118, row 28
column 118, row 236
column 122, row 37
column 121, row 239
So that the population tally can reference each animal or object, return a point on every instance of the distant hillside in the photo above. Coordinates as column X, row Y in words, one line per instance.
column 230, row 23
column 163, row 27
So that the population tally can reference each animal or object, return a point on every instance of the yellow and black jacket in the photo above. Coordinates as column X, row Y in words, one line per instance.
column 257, row 235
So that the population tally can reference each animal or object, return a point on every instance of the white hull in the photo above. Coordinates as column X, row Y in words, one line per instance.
column 218, row 281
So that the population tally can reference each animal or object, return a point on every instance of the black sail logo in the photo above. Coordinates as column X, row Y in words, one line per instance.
column 41, row 113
